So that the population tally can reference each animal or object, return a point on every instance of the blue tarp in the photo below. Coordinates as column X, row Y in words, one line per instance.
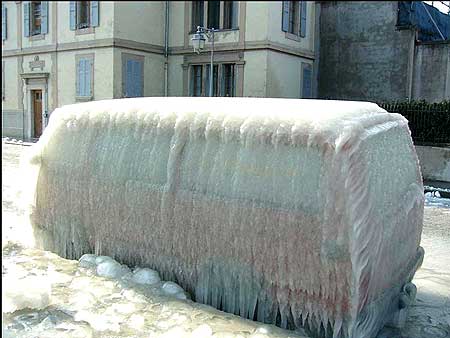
column 414, row 13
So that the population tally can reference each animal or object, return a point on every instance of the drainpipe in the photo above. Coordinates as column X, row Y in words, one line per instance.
column 166, row 50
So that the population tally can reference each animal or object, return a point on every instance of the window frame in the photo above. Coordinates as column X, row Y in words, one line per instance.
column 90, row 57
column 222, row 12
column 218, row 90
column 133, row 57
column 87, row 10
column 33, row 30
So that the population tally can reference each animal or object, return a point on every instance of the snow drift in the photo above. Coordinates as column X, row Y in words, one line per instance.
column 303, row 213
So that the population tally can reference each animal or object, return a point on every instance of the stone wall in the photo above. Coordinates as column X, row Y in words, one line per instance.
column 434, row 163
column 363, row 56
column 432, row 71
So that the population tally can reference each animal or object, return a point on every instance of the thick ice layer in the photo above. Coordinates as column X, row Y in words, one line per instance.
column 284, row 211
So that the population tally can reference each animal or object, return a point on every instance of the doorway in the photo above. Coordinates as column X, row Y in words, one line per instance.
column 36, row 97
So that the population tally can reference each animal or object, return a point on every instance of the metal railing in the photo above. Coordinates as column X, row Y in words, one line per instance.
column 429, row 122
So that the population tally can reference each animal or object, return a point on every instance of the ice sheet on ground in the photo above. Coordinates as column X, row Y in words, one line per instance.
column 78, row 303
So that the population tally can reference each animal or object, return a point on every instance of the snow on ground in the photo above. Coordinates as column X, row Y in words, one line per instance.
column 48, row 296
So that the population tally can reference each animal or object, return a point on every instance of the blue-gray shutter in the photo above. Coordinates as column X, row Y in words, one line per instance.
column 88, row 76
column 139, row 78
column 234, row 14
column 44, row 17
column 73, row 15
column 129, row 78
column 80, row 84
column 285, row 16
column 4, row 24
column 94, row 14
column 307, row 79
column 303, row 18
column 26, row 18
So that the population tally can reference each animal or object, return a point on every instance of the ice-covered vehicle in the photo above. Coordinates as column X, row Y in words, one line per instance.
column 303, row 213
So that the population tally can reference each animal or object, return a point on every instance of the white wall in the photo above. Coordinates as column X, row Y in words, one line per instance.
column 140, row 21
column 255, row 73
column 285, row 81
column 103, row 76
column 103, row 31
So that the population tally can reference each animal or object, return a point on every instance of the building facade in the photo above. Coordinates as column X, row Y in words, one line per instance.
column 58, row 53
column 384, row 51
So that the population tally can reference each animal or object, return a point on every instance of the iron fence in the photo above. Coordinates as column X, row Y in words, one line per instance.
column 429, row 122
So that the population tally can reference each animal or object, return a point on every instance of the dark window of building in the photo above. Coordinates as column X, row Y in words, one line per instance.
column 228, row 82
column 213, row 14
column 196, row 80
column 294, row 23
column 198, row 8
column 229, row 14
column 35, row 18
column 215, row 82
column 83, row 11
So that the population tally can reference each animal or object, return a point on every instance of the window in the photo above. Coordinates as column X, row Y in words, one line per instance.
column 84, row 14
column 133, row 75
column 85, row 72
column 229, row 14
column 198, row 8
column 215, row 81
column 294, row 18
column 227, row 88
column 213, row 14
column 228, row 9
column 35, row 18
column 4, row 22
column 196, row 80
column 223, row 80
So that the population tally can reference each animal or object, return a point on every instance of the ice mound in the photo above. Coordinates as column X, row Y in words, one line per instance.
column 146, row 276
column 302, row 213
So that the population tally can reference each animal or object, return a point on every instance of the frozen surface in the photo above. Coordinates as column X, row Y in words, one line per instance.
column 284, row 211
column 80, row 303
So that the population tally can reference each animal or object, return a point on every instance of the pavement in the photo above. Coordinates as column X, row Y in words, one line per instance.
column 429, row 316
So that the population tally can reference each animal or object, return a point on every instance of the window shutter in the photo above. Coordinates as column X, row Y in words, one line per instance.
column 4, row 24
column 88, row 76
column 234, row 14
column 285, row 16
column 94, row 14
column 79, row 77
column 73, row 15
column 44, row 17
column 129, row 79
column 303, row 18
column 26, row 18
column 139, row 78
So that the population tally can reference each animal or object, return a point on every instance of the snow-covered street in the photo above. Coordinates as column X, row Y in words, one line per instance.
column 429, row 316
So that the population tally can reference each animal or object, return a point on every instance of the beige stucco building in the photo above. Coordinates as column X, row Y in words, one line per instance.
column 58, row 53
